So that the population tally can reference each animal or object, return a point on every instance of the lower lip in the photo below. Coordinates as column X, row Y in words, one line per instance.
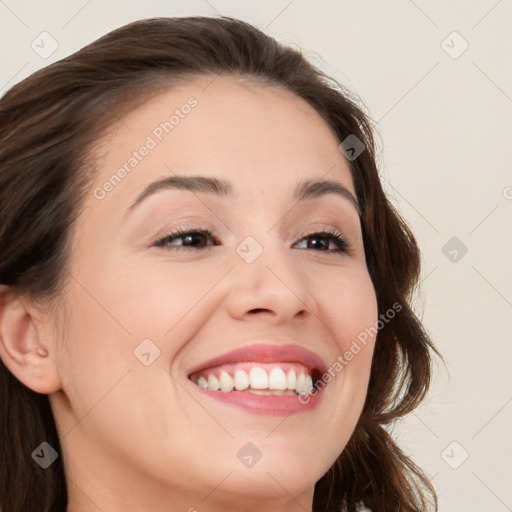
column 270, row 405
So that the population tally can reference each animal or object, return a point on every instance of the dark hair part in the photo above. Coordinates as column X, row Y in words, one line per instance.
column 48, row 123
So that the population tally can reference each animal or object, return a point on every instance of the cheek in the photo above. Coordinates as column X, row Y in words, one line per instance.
column 158, row 299
column 97, row 350
column 347, row 307
column 103, row 379
column 347, row 304
column 142, row 293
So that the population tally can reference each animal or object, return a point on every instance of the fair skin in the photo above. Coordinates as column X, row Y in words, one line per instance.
column 138, row 437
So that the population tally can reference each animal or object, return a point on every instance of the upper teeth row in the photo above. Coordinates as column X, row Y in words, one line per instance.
column 257, row 378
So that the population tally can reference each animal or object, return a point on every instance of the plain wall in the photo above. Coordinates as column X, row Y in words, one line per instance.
column 443, row 117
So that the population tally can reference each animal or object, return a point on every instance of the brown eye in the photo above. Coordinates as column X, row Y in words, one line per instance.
column 323, row 239
column 190, row 239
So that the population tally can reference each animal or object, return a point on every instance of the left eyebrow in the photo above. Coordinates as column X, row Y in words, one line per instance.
column 314, row 188
column 307, row 189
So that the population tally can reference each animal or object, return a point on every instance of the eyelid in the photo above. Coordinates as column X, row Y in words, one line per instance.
column 312, row 228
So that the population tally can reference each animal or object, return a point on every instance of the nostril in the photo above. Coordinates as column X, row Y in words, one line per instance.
column 258, row 310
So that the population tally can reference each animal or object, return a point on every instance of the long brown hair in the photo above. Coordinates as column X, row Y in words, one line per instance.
column 48, row 123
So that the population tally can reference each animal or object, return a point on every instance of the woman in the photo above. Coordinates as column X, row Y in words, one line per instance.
column 204, row 288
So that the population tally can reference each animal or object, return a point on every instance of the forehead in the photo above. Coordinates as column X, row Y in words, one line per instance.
column 251, row 133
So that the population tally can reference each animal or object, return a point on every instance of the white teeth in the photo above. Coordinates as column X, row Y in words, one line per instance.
column 291, row 379
column 304, row 384
column 226, row 382
column 213, row 383
column 241, row 380
column 202, row 383
column 277, row 379
column 309, row 384
column 258, row 378
column 301, row 381
column 258, row 381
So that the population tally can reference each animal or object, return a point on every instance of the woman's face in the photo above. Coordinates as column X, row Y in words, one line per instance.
column 152, row 319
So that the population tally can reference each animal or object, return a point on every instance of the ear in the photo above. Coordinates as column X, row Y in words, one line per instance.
column 26, row 349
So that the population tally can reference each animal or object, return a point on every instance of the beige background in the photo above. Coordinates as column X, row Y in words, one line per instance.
column 444, row 119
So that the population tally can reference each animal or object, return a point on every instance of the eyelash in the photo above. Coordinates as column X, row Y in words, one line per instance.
column 340, row 241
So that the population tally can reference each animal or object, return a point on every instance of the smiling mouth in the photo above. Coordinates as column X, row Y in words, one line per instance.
column 274, row 379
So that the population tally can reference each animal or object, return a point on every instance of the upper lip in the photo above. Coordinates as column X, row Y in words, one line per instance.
column 266, row 353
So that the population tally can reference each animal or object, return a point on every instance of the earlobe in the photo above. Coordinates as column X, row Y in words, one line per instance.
column 25, row 351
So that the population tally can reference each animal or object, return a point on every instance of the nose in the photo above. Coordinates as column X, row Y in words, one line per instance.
column 271, row 288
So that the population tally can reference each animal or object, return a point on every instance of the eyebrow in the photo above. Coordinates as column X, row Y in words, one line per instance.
column 307, row 189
